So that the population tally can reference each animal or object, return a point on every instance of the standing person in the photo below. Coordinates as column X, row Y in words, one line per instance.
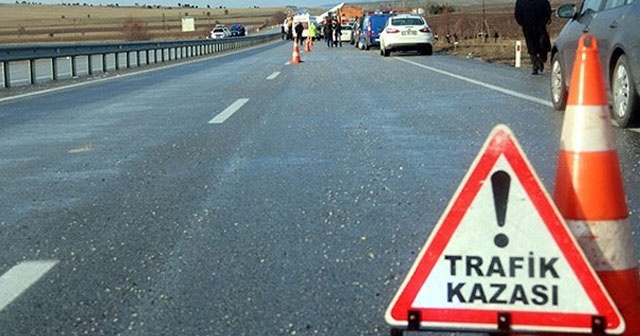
column 533, row 16
column 328, row 34
column 289, row 28
column 337, row 34
column 299, row 29
column 312, row 32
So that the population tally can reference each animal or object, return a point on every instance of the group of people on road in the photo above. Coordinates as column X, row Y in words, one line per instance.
column 332, row 32
column 291, row 31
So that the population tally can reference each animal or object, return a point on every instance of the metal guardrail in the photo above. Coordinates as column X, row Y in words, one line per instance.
column 138, row 53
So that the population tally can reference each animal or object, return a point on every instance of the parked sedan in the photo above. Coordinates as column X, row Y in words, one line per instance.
column 219, row 32
column 346, row 32
column 406, row 32
column 237, row 30
column 614, row 23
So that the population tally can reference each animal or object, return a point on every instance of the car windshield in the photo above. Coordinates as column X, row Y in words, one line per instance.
column 407, row 21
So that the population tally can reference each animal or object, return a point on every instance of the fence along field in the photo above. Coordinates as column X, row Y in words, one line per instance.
column 26, row 23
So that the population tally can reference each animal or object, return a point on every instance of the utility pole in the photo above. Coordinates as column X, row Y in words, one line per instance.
column 484, row 31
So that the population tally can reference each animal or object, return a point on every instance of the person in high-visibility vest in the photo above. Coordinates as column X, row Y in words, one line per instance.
column 312, row 32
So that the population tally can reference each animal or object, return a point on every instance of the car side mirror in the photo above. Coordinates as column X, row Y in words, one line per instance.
column 568, row 11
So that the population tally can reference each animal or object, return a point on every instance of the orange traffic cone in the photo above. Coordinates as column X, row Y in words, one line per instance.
column 295, row 57
column 307, row 45
column 589, row 191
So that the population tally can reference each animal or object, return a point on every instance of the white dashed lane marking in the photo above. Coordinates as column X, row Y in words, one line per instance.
column 20, row 277
column 229, row 111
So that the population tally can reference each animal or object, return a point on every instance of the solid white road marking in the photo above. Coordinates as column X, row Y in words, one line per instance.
column 229, row 111
column 476, row 82
column 273, row 75
column 20, row 277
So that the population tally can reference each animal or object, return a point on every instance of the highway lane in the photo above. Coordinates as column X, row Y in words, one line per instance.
column 299, row 213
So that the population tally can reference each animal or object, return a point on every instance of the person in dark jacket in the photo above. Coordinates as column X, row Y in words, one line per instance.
column 328, row 34
column 299, row 29
column 289, row 29
column 534, row 16
column 337, row 33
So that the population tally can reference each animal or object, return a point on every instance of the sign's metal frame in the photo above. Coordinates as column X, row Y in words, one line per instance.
column 503, row 325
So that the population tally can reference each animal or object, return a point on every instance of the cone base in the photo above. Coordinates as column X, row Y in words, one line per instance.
column 624, row 289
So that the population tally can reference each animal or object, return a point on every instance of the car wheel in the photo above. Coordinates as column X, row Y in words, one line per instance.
column 426, row 51
column 556, row 84
column 625, row 99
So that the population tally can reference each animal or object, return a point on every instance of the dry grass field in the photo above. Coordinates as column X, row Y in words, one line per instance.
column 58, row 23
column 467, row 24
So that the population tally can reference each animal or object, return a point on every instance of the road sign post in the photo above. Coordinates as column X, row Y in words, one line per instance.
column 518, row 54
column 502, row 259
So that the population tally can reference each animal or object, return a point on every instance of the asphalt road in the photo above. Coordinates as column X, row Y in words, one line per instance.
column 142, row 205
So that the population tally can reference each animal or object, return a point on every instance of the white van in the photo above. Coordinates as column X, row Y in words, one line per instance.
column 306, row 19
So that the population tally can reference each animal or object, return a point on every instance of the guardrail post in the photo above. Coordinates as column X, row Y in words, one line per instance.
column 104, row 63
column 74, row 66
column 6, row 73
column 90, row 64
column 54, row 68
column 32, row 71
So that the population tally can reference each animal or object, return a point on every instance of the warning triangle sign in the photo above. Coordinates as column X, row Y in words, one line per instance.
column 502, row 258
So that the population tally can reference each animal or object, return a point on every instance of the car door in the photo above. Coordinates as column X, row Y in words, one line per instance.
column 609, row 27
column 567, row 41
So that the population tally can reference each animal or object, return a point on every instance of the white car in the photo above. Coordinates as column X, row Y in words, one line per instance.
column 406, row 32
column 219, row 32
column 346, row 31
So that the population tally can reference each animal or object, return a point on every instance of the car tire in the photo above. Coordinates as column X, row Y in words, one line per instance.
column 428, row 51
column 625, row 100
column 557, row 84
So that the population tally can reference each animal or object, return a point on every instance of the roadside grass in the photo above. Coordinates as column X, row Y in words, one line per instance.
column 502, row 52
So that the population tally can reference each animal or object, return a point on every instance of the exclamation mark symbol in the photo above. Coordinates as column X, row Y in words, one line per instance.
column 500, row 182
